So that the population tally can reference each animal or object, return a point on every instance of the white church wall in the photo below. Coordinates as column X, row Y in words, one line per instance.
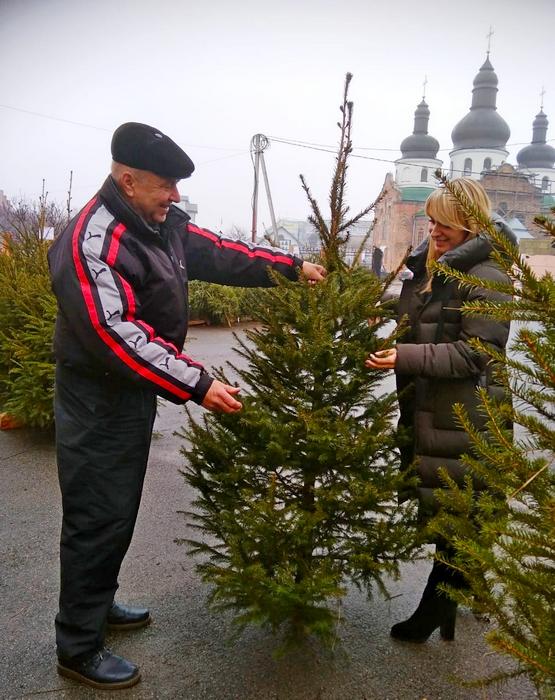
column 411, row 171
column 538, row 177
column 471, row 162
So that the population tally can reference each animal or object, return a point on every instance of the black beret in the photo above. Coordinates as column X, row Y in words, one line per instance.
column 146, row 148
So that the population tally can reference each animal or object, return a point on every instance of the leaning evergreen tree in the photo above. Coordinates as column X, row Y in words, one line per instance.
column 297, row 493
column 504, row 532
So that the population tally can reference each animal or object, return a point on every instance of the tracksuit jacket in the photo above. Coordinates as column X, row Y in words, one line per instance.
column 121, row 287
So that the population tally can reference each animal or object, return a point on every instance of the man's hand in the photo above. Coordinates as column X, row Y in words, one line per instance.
column 383, row 359
column 219, row 398
column 313, row 272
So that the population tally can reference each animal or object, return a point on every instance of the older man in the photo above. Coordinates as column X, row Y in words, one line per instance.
column 119, row 272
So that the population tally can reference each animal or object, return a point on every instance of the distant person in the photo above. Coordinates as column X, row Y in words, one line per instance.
column 377, row 261
column 436, row 367
column 119, row 272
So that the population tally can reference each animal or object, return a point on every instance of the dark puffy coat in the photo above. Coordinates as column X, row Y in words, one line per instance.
column 436, row 367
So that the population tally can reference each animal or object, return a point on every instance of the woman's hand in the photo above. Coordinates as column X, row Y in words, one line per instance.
column 383, row 359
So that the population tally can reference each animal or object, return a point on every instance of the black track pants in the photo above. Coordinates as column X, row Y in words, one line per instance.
column 103, row 433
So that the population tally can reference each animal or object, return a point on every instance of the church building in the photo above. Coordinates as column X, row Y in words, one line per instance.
column 479, row 151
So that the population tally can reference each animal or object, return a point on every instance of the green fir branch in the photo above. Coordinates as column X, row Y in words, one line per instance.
column 501, row 521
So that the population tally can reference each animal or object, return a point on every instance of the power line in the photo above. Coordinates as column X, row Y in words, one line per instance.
column 102, row 128
column 381, row 160
column 214, row 160
column 57, row 119
column 228, row 148
column 325, row 148
column 374, row 148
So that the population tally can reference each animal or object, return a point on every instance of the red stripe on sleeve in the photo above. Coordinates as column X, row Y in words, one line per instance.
column 114, row 244
column 149, row 330
column 131, row 306
column 178, row 355
column 111, row 259
column 103, row 334
column 241, row 247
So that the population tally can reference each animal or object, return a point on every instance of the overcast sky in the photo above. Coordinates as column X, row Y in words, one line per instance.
column 212, row 73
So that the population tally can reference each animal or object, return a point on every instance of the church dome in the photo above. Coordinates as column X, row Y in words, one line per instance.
column 420, row 144
column 538, row 154
column 482, row 127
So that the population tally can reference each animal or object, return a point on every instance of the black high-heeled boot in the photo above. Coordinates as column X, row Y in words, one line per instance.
column 434, row 610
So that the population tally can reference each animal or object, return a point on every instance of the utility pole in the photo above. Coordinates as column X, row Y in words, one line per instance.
column 259, row 143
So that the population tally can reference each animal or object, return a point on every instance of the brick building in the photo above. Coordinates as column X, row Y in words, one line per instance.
column 514, row 195
column 400, row 221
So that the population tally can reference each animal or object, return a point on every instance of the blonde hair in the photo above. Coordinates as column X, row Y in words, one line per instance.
column 441, row 206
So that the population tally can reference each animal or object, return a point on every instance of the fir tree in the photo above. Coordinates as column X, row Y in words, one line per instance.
column 27, row 314
column 504, row 532
column 298, row 493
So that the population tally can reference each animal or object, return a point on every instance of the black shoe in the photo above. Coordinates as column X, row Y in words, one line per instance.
column 121, row 617
column 103, row 669
column 431, row 613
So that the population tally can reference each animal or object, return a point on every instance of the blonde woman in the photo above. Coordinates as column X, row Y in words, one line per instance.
column 436, row 367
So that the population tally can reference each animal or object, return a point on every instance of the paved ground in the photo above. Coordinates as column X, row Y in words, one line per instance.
column 186, row 652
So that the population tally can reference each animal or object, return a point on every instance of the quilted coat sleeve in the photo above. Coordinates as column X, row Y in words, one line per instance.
column 458, row 359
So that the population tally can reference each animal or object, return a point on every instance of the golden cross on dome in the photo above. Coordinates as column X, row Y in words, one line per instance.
column 424, row 87
column 542, row 93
